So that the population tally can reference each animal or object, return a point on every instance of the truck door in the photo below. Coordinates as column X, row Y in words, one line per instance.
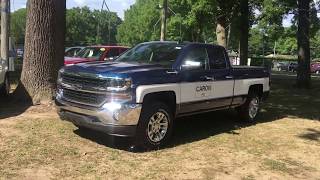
column 196, row 80
column 223, row 82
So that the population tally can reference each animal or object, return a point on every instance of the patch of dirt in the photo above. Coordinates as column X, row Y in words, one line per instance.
column 41, row 173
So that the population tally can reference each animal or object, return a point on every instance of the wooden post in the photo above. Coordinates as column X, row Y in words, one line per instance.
column 5, row 10
column 164, row 20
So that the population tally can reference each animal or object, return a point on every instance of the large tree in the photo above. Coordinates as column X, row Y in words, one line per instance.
column 244, row 31
column 304, row 77
column 44, row 44
column 226, row 11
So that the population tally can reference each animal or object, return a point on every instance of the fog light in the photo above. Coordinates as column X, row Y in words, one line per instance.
column 112, row 106
column 59, row 93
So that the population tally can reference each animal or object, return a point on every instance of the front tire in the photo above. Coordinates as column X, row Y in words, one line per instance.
column 250, row 109
column 155, row 126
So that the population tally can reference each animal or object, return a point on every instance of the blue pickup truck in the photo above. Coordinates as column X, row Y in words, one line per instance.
column 142, row 93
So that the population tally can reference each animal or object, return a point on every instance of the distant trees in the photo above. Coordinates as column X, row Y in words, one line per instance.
column 188, row 21
column 139, row 23
column 85, row 26
column 18, row 25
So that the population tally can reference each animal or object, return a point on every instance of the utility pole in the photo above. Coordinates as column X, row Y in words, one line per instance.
column 164, row 16
column 99, row 33
column 5, row 10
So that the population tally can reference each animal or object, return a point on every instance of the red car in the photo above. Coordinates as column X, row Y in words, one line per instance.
column 315, row 67
column 95, row 53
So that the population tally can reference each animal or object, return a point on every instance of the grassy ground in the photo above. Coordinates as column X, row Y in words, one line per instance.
column 284, row 144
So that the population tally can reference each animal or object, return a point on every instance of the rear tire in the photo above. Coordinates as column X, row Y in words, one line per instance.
column 5, row 89
column 250, row 109
column 155, row 126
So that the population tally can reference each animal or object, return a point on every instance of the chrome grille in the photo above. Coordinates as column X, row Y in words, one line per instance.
column 89, row 82
column 85, row 98
column 83, row 90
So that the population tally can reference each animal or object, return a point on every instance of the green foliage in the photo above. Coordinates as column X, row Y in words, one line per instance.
column 18, row 25
column 138, row 24
column 85, row 26
column 190, row 20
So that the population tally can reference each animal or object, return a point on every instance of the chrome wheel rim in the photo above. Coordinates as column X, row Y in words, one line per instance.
column 157, row 127
column 253, row 107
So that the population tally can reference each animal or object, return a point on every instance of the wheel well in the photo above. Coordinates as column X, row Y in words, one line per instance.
column 257, row 88
column 166, row 97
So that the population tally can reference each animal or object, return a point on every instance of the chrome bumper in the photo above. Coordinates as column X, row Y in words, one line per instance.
column 110, row 116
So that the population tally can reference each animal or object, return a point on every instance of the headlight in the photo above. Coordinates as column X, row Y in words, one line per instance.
column 119, row 85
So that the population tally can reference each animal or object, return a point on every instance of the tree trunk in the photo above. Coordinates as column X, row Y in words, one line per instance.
column 303, row 77
column 44, row 47
column 221, row 31
column 244, row 31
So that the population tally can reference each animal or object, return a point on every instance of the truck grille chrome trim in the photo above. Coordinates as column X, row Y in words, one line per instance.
column 90, row 99
column 85, row 83
column 89, row 91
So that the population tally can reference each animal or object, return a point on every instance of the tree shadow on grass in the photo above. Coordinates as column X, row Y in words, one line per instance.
column 105, row 139
column 11, row 108
column 311, row 134
column 12, row 105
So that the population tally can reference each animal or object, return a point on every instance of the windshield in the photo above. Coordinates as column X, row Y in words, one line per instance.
column 164, row 54
column 91, row 52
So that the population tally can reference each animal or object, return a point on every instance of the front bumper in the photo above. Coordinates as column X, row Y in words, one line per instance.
column 114, row 119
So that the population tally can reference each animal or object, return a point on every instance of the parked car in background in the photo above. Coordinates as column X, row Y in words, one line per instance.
column 281, row 66
column 293, row 67
column 20, row 52
column 96, row 53
column 286, row 66
column 72, row 51
column 315, row 67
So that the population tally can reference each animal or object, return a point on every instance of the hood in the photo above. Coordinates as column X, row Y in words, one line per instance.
column 111, row 68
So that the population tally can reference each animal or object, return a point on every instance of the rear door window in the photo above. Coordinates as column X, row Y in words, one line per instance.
column 196, row 58
column 217, row 58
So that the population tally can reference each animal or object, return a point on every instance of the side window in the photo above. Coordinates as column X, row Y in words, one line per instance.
column 113, row 52
column 196, row 59
column 217, row 58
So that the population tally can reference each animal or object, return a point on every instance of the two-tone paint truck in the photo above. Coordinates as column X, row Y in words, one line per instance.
column 148, row 87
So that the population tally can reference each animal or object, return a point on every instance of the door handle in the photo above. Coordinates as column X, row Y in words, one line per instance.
column 208, row 78
column 229, row 77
